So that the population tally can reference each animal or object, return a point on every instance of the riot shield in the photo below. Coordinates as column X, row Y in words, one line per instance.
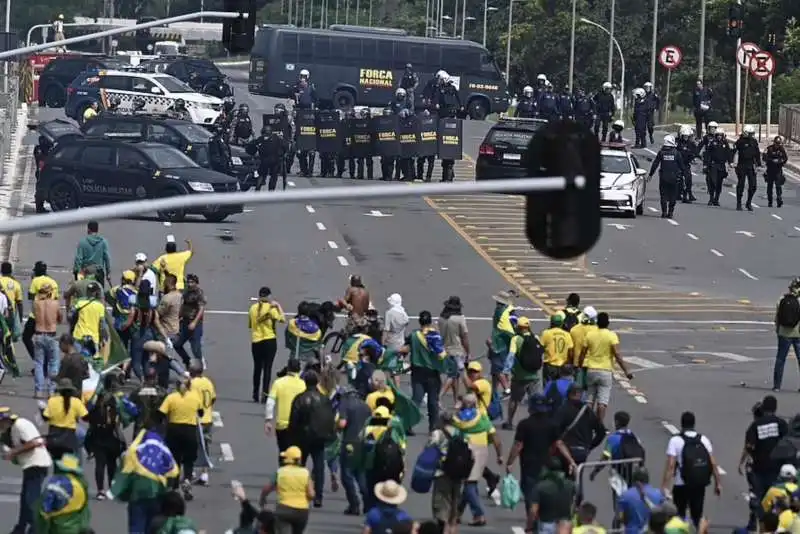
column 384, row 131
column 306, row 134
column 428, row 135
column 360, row 138
column 344, row 137
column 276, row 123
column 328, row 138
column 408, row 133
column 450, row 138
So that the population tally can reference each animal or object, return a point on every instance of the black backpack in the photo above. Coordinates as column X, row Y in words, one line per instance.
column 322, row 421
column 630, row 448
column 388, row 462
column 785, row 451
column 695, row 462
column 571, row 319
column 458, row 461
column 788, row 311
column 531, row 354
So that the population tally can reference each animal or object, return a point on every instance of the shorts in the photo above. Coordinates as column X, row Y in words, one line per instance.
column 497, row 365
column 454, row 366
column 446, row 499
column 598, row 385
column 521, row 388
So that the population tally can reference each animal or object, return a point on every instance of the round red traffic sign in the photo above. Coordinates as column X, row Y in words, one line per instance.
column 670, row 57
column 762, row 65
column 745, row 53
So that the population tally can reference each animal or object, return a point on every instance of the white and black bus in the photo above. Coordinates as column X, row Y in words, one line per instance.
column 361, row 66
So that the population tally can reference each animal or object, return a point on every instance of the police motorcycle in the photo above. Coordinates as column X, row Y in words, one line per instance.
column 241, row 126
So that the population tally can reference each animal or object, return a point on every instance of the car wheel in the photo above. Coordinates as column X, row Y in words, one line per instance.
column 54, row 97
column 63, row 196
column 216, row 217
column 344, row 99
column 173, row 215
column 478, row 108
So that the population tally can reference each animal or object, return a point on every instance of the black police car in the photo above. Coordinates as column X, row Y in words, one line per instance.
column 201, row 74
column 60, row 72
column 87, row 172
column 194, row 140
column 502, row 152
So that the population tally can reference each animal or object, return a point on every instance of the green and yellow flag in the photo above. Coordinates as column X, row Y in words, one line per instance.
column 405, row 410
column 302, row 336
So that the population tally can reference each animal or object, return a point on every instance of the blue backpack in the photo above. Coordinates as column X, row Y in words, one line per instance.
column 425, row 468
column 495, row 408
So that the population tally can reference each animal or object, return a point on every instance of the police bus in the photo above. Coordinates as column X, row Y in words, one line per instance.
column 354, row 66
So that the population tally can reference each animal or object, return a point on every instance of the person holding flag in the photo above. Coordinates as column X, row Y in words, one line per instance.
column 426, row 348
column 122, row 299
column 63, row 507
column 504, row 326
column 303, row 335
column 380, row 452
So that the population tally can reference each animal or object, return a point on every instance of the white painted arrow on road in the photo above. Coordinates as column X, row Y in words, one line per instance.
column 377, row 213
column 748, row 234
column 620, row 226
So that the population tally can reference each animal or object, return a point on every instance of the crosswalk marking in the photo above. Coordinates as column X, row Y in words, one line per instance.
column 641, row 362
column 644, row 363
column 725, row 356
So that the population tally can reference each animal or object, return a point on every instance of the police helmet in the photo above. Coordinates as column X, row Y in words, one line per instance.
column 279, row 109
column 400, row 93
column 618, row 124
column 541, row 78
column 638, row 92
column 648, row 85
column 712, row 126
column 440, row 74
column 228, row 103
column 180, row 104
column 687, row 131
column 408, row 66
column 266, row 130
column 445, row 78
column 719, row 132
column 669, row 141
column 114, row 101
column 304, row 73
column 527, row 90
column 607, row 85
column 749, row 130
column 778, row 140
column 244, row 108
column 366, row 113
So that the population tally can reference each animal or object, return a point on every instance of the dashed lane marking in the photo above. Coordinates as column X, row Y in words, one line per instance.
column 227, row 452
column 716, row 253
column 777, row 217
column 321, row 226
column 333, row 245
column 343, row 261
column 673, row 222
column 310, row 209
column 291, row 184
column 692, row 236
column 747, row 274
column 652, row 209
column 216, row 420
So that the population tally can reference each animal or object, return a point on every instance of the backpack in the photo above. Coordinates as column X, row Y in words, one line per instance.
column 571, row 319
column 322, row 421
column 630, row 448
column 531, row 354
column 695, row 462
column 425, row 469
column 553, row 395
column 458, row 461
column 387, row 522
column 388, row 462
column 788, row 311
column 785, row 451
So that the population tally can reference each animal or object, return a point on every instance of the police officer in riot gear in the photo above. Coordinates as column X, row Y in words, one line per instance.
column 421, row 173
column 405, row 165
column 526, row 106
column 137, row 106
column 640, row 111
column 449, row 107
column 584, row 108
column 409, row 82
column 775, row 158
column 179, row 111
column 749, row 157
column 305, row 97
column 288, row 136
column 225, row 118
column 387, row 162
column 400, row 107
column 688, row 149
column 365, row 161
column 718, row 156
column 431, row 90
column 566, row 104
column 242, row 126
column 672, row 168
column 271, row 152
column 604, row 108
column 653, row 103
column 547, row 105
column 615, row 136
column 541, row 85
column 344, row 156
column 327, row 160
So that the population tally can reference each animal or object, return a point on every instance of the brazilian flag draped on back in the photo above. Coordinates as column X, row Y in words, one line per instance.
column 113, row 353
column 303, row 336
column 407, row 413
column 147, row 468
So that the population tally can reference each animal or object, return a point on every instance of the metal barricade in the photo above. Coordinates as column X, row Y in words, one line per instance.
column 9, row 107
column 789, row 123
column 619, row 471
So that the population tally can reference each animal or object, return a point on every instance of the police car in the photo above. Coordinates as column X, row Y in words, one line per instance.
column 502, row 153
column 159, row 92
column 87, row 172
column 623, row 184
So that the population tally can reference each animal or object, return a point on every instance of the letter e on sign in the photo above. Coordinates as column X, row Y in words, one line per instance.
column 670, row 57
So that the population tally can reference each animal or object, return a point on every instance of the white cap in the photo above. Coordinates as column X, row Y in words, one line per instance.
column 170, row 238
column 788, row 471
column 141, row 256
column 590, row 313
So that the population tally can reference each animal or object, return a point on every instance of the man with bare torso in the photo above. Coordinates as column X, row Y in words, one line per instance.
column 356, row 301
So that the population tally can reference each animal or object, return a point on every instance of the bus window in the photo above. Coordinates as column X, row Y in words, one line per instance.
column 288, row 47
column 322, row 49
column 338, row 50
column 433, row 58
column 385, row 51
column 262, row 43
column 458, row 59
column 488, row 65
column 305, row 48
column 353, row 51
column 416, row 55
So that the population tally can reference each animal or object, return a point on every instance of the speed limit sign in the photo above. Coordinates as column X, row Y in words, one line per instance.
column 670, row 57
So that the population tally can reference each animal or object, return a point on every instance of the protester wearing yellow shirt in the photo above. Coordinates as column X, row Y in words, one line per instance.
column 600, row 351
column 381, row 390
column 182, row 408
column 262, row 317
column 203, row 387
column 11, row 287
column 578, row 333
column 558, row 345
column 282, row 393
column 292, row 482
column 62, row 412
column 481, row 387
column 89, row 319
column 778, row 498
column 173, row 262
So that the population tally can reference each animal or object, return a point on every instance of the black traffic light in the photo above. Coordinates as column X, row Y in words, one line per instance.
column 564, row 224
column 735, row 18
column 238, row 34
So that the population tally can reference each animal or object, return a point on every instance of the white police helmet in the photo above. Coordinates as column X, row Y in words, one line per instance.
column 687, row 130
column 441, row 75
column 712, row 126
column 400, row 92
column 445, row 78
column 749, row 129
column 607, row 85
column 527, row 90
column 619, row 123
column 305, row 73
column 541, row 78
column 669, row 140
column 648, row 85
column 720, row 132
column 638, row 92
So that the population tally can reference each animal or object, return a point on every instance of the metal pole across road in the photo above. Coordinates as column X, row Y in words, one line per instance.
column 127, row 209
column 118, row 31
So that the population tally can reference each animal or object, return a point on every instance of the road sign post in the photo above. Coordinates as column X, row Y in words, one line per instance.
column 669, row 57
column 762, row 66
column 744, row 52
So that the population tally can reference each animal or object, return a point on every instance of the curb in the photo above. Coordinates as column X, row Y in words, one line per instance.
column 10, row 170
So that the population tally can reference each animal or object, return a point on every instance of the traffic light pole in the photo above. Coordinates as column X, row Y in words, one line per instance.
column 119, row 31
column 738, row 118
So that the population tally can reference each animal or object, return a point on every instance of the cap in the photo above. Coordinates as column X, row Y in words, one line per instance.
column 129, row 276
column 475, row 366
column 590, row 313
column 170, row 238
column 524, row 322
column 5, row 414
column 538, row 403
column 292, row 453
column 788, row 471
column 382, row 412
column 556, row 319
column 141, row 257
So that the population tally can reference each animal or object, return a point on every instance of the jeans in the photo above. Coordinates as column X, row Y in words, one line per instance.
column 141, row 514
column 45, row 354
column 195, row 339
column 137, row 350
column 352, row 481
column 317, row 455
column 784, row 343
column 472, row 499
column 427, row 382
column 32, row 480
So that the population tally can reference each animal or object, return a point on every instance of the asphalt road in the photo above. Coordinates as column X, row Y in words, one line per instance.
column 683, row 357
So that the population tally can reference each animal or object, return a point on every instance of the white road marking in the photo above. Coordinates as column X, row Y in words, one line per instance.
column 216, row 419
column 291, row 184
column 692, row 236
column 776, row 216
column 717, row 253
column 731, row 193
column 653, row 153
column 673, row 222
column 640, row 399
column 227, row 452
column 333, row 245
column 754, row 205
column 651, row 208
column 748, row 275
column 247, row 211
column 744, row 232
column 669, row 427
column 724, row 355
column 343, row 261
column 310, row 209
column 321, row 226
column 641, row 362
column 515, row 530
column 797, row 228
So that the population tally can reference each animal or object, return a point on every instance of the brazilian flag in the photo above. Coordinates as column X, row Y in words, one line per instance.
column 303, row 336
column 405, row 410
column 112, row 353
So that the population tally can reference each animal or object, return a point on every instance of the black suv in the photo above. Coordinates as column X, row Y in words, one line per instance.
column 88, row 172
column 502, row 152
column 200, row 74
column 60, row 72
column 194, row 140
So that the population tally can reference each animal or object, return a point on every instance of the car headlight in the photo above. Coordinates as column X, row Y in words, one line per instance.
column 201, row 186
column 236, row 161
column 625, row 185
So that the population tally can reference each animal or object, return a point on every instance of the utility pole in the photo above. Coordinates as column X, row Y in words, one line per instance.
column 702, row 59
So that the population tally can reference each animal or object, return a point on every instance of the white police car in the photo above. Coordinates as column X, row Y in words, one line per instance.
column 159, row 92
column 623, row 184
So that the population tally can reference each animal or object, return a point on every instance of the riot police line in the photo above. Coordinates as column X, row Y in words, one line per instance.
column 346, row 143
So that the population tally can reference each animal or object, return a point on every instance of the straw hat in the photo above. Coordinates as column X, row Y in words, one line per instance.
column 390, row 492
